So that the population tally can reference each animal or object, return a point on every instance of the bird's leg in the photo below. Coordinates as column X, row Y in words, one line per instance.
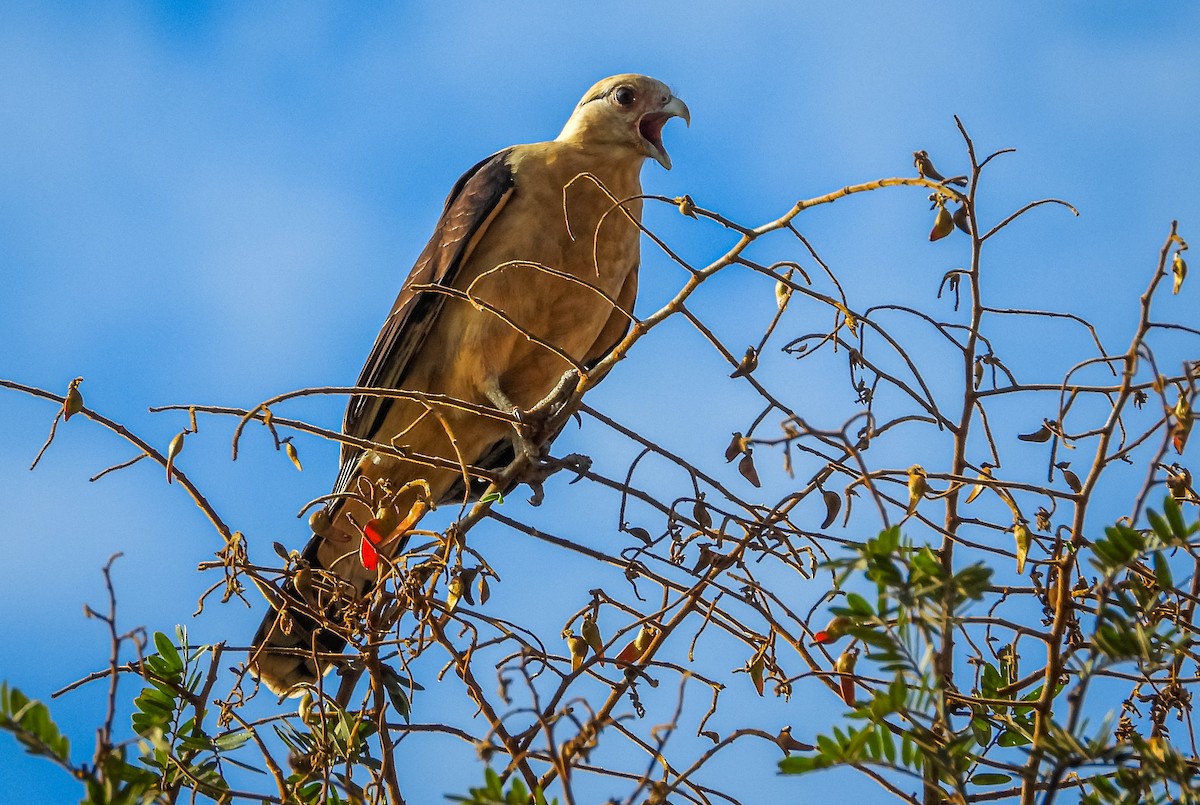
column 532, row 429
column 531, row 426
column 497, row 397
column 558, row 396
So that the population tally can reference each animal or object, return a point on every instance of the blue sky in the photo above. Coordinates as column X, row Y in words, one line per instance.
column 217, row 203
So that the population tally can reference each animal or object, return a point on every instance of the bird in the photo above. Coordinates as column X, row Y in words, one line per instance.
column 531, row 273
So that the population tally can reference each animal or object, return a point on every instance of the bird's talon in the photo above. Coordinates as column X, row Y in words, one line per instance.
column 577, row 463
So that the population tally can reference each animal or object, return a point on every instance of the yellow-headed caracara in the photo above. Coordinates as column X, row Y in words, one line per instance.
column 518, row 274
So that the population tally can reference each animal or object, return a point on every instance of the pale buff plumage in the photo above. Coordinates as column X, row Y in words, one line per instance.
column 473, row 355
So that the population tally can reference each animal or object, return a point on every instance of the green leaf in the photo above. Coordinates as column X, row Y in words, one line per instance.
column 30, row 723
column 798, row 764
column 1162, row 571
column 232, row 740
column 990, row 779
column 858, row 605
column 874, row 742
column 1013, row 738
column 981, row 730
column 153, row 701
column 1160, row 526
column 517, row 794
column 162, row 669
column 394, row 686
column 493, row 497
column 889, row 745
column 241, row 765
column 898, row 692
column 858, row 743
column 494, row 786
column 1175, row 517
column 874, row 638
column 991, row 681
column 166, row 650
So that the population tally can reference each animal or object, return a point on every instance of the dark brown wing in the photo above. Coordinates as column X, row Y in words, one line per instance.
column 474, row 200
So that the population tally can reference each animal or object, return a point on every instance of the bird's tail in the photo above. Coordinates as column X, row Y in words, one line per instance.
column 291, row 648
column 322, row 601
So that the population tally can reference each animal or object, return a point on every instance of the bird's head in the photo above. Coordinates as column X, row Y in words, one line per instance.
column 628, row 110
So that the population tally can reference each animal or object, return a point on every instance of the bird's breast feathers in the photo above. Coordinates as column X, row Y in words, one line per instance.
column 558, row 221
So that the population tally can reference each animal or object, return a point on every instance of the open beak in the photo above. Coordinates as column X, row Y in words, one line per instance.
column 651, row 126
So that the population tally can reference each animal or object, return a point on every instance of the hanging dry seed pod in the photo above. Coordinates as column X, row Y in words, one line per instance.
column 467, row 576
column 746, row 468
column 454, row 591
column 686, row 206
column 290, row 449
column 637, row 647
column 639, row 533
column 1071, row 478
column 700, row 513
column 789, row 744
column 704, row 559
column 748, row 363
column 578, row 648
column 1042, row 434
column 834, row 631
column 917, row 486
column 985, row 472
column 73, row 403
column 1179, row 481
column 380, row 527
column 757, row 668
column 1023, row 539
column 303, row 582
column 943, row 224
column 962, row 220
column 1183, row 423
column 173, row 450
column 925, row 168
column 833, row 504
column 737, row 446
column 844, row 667
column 783, row 291
column 319, row 522
column 591, row 634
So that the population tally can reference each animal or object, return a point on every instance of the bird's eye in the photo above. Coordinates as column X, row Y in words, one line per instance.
column 623, row 96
